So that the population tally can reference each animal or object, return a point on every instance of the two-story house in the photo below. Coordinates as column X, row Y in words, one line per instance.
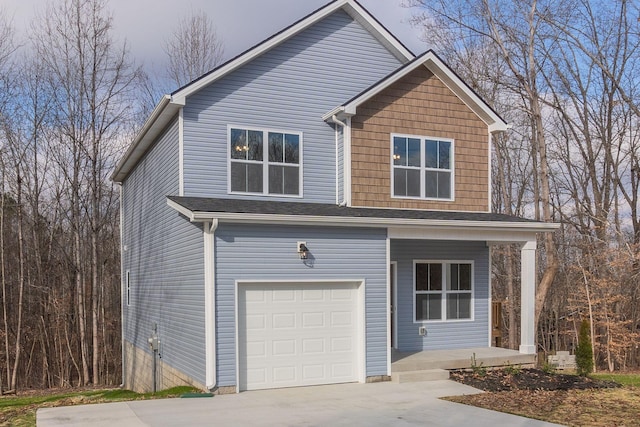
column 314, row 203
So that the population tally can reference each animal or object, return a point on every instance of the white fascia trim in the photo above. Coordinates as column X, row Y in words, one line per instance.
column 358, row 13
column 210, row 302
column 350, row 6
column 162, row 114
column 464, row 92
column 394, row 224
column 446, row 75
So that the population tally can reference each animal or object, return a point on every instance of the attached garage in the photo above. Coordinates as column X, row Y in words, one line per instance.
column 299, row 334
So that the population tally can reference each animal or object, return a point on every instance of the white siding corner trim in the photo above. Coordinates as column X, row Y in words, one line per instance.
column 210, row 303
column 181, row 152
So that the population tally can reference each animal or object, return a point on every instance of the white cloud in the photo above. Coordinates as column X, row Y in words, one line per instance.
column 145, row 24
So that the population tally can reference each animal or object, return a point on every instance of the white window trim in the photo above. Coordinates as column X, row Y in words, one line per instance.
column 265, row 162
column 444, row 291
column 423, row 167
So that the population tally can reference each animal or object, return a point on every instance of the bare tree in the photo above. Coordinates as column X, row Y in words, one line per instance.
column 514, row 33
column 95, row 82
column 194, row 48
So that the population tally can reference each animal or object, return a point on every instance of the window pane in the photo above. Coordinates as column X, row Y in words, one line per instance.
column 238, row 177
column 254, row 178
column 399, row 151
column 255, row 145
column 431, row 184
column 459, row 306
column 452, row 285
column 444, row 152
column 413, row 152
column 291, row 179
column 275, row 147
column 239, row 144
column 399, row 182
column 292, row 148
column 428, row 307
column 465, row 277
column 275, row 179
column 422, row 278
column 435, row 277
column 431, row 156
column 444, row 185
column 413, row 183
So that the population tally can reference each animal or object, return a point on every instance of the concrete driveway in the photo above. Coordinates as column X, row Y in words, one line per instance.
column 378, row 404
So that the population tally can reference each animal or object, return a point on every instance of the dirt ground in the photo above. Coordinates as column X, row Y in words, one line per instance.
column 527, row 379
column 564, row 399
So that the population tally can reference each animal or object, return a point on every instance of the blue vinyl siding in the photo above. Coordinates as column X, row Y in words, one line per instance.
column 445, row 334
column 164, row 255
column 268, row 253
column 287, row 88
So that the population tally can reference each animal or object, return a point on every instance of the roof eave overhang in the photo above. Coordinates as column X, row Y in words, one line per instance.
column 160, row 117
column 434, row 64
column 351, row 7
column 232, row 217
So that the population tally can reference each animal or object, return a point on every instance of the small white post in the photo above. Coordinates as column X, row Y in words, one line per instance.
column 528, row 297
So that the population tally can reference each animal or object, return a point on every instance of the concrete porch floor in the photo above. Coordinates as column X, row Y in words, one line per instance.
column 457, row 359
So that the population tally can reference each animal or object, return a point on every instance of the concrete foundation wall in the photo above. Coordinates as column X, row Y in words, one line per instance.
column 139, row 372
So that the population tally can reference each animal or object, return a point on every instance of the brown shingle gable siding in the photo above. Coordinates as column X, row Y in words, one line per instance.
column 419, row 104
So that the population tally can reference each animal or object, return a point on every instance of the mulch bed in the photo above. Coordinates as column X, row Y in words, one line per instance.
column 526, row 379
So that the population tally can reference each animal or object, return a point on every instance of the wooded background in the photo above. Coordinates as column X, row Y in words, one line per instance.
column 565, row 74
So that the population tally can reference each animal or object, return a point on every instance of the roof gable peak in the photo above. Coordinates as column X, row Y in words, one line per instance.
column 351, row 7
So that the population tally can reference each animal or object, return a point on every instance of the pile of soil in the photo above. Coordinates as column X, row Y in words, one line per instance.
column 526, row 379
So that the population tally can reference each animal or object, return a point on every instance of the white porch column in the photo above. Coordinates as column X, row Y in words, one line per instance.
column 528, row 297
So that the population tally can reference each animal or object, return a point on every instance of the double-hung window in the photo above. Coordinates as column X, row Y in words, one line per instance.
column 422, row 167
column 443, row 290
column 265, row 161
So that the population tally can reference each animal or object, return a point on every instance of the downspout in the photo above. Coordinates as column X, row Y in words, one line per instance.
column 334, row 119
column 210, row 302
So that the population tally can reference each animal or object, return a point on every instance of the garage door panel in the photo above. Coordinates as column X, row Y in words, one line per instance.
column 313, row 320
column 313, row 345
column 284, row 321
column 284, row 347
column 283, row 295
column 301, row 334
column 313, row 295
column 341, row 318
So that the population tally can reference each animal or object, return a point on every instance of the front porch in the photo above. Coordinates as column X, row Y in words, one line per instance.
column 422, row 364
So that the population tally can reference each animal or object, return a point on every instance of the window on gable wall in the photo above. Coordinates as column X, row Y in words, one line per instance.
column 443, row 291
column 422, row 167
column 264, row 162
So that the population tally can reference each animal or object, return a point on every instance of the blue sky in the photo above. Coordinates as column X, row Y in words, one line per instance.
column 242, row 23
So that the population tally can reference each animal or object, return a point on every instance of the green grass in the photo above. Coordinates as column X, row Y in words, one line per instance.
column 624, row 379
column 20, row 411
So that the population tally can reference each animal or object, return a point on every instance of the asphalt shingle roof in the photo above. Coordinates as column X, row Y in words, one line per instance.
column 240, row 206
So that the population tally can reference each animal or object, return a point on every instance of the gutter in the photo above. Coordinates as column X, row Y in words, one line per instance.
column 239, row 217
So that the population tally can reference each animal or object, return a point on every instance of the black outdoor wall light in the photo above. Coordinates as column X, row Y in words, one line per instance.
column 303, row 251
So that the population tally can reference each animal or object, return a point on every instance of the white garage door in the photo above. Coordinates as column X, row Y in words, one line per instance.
column 297, row 334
